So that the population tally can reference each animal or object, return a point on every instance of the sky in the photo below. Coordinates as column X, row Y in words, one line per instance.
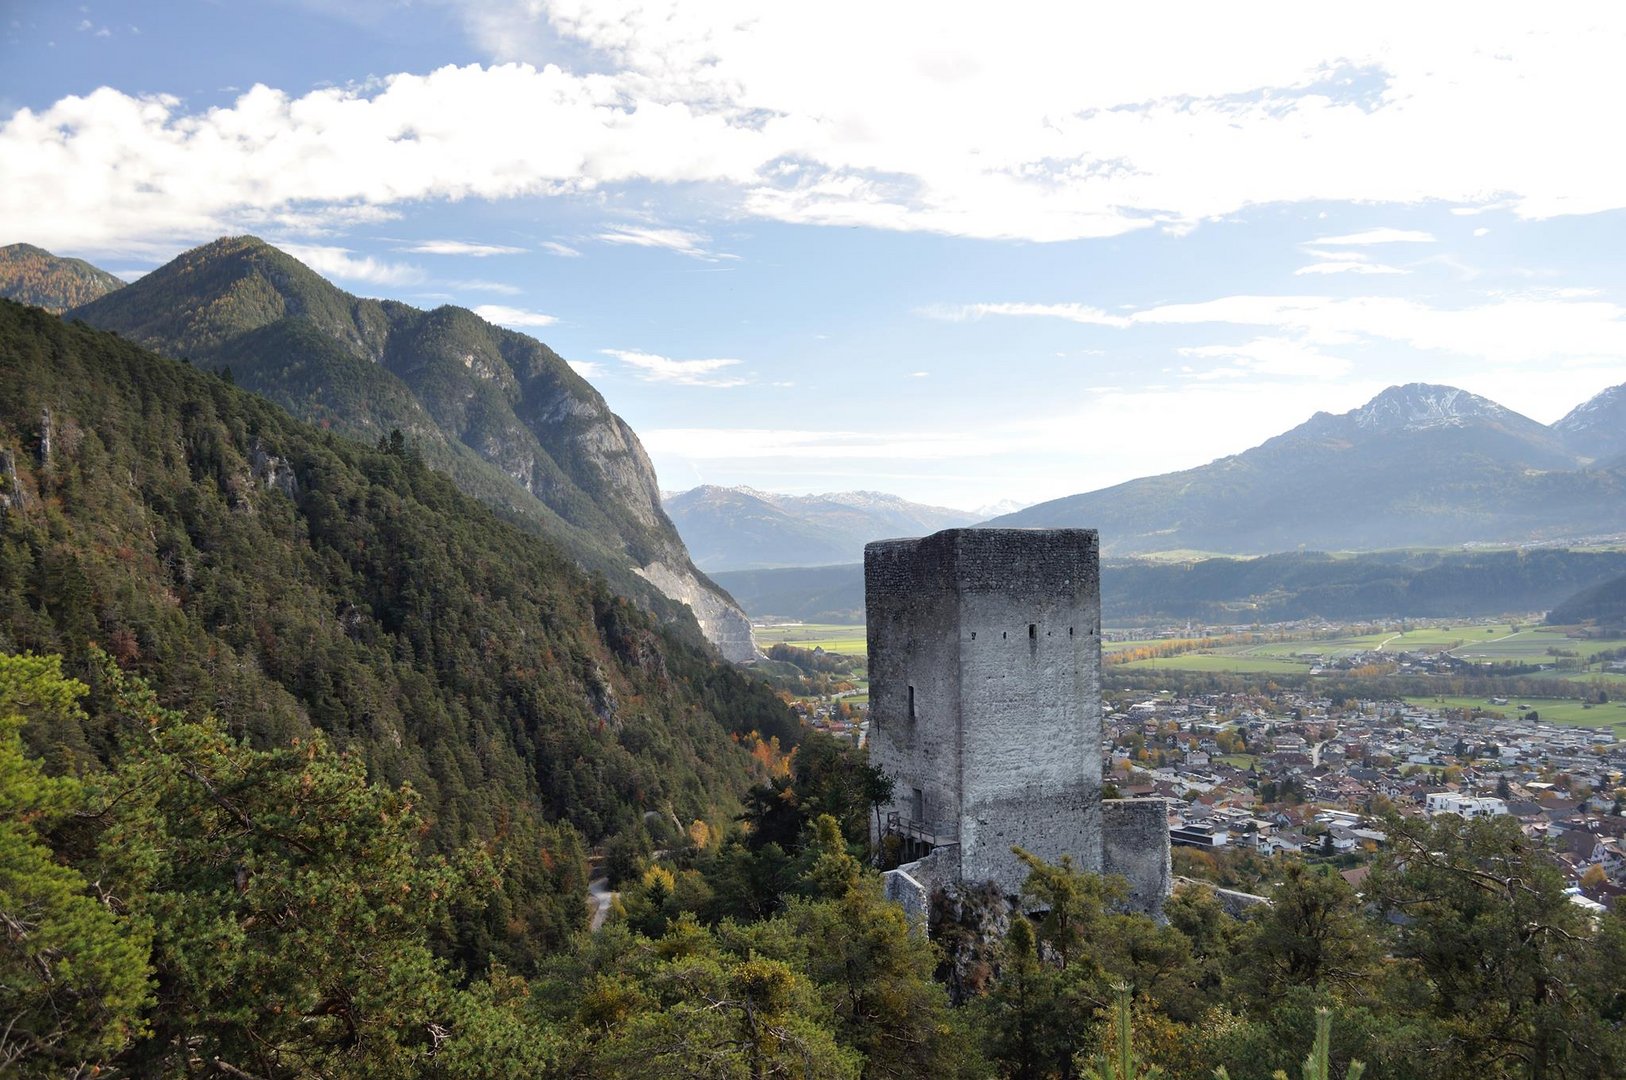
column 968, row 253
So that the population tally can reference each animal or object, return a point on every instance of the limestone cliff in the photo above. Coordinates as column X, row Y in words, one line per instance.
column 499, row 411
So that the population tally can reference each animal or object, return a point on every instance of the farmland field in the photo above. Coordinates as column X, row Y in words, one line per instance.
column 1552, row 710
column 848, row 640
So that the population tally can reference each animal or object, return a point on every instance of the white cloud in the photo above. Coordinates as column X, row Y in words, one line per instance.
column 586, row 368
column 1346, row 266
column 678, row 240
column 1046, row 123
column 1481, row 231
column 1380, row 236
column 565, row 251
column 462, row 247
column 1276, row 356
column 653, row 368
column 1531, row 328
column 514, row 318
column 919, row 374
column 1079, row 313
column 480, row 285
column 338, row 262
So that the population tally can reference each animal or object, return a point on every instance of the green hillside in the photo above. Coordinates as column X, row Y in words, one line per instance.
column 499, row 412
column 292, row 580
column 33, row 275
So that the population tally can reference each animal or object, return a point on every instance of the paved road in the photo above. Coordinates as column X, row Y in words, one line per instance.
column 600, row 896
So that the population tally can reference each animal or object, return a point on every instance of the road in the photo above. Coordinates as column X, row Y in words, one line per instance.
column 600, row 896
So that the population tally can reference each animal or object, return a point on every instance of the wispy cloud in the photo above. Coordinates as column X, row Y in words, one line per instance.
column 564, row 251
column 341, row 263
column 1384, row 235
column 587, row 369
column 681, row 241
column 651, row 367
column 481, row 285
column 514, row 318
column 1079, row 313
column 463, row 247
column 1532, row 328
column 1346, row 266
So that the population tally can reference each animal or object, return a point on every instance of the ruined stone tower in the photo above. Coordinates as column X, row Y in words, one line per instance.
column 985, row 707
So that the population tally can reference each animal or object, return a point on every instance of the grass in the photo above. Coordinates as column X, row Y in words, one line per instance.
column 1565, row 711
column 847, row 640
column 1217, row 661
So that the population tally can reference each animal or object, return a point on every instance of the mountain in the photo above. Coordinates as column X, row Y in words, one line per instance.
column 1417, row 466
column 1596, row 429
column 288, row 580
column 1603, row 604
column 733, row 528
column 1270, row 588
column 498, row 411
column 32, row 275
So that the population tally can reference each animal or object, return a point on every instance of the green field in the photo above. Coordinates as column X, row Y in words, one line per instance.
column 1552, row 710
column 848, row 640
column 1220, row 660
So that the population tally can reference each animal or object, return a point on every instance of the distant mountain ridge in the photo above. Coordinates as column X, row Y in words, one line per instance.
column 32, row 275
column 741, row 528
column 499, row 411
column 1596, row 428
column 1270, row 588
column 1419, row 465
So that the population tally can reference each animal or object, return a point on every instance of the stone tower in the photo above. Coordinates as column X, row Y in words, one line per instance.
column 985, row 699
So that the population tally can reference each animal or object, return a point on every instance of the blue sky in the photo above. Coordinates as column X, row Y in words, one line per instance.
column 966, row 253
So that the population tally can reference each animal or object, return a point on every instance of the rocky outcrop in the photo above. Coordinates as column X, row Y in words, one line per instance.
column 720, row 619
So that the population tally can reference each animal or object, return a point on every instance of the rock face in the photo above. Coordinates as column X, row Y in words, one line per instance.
column 500, row 412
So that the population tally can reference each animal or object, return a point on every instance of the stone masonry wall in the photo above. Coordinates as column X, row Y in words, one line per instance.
column 1135, row 844
column 911, row 614
column 1030, row 656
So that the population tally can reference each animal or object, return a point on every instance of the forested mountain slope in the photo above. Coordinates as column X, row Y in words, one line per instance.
column 33, row 275
column 288, row 579
column 499, row 412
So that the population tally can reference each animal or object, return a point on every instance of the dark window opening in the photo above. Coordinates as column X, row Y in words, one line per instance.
column 973, row 635
column 1033, row 630
column 917, row 804
column 911, row 704
column 1069, row 631
column 1003, row 635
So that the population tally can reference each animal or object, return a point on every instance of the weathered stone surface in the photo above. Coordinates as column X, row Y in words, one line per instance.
column 1135, row 844
column 985, row 704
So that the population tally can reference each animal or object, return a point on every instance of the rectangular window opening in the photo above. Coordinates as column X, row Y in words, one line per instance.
column 911, row 704
column 1033, row 630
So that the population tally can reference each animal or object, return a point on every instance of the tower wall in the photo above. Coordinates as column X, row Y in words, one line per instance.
column 1030, row 656
column 912, row 614
column 998, row 633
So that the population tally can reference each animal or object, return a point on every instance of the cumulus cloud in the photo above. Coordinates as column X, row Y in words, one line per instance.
column 514, row 318
column 462, row 247
column 1044, row 124
column 653, row 368
column 341, row 263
